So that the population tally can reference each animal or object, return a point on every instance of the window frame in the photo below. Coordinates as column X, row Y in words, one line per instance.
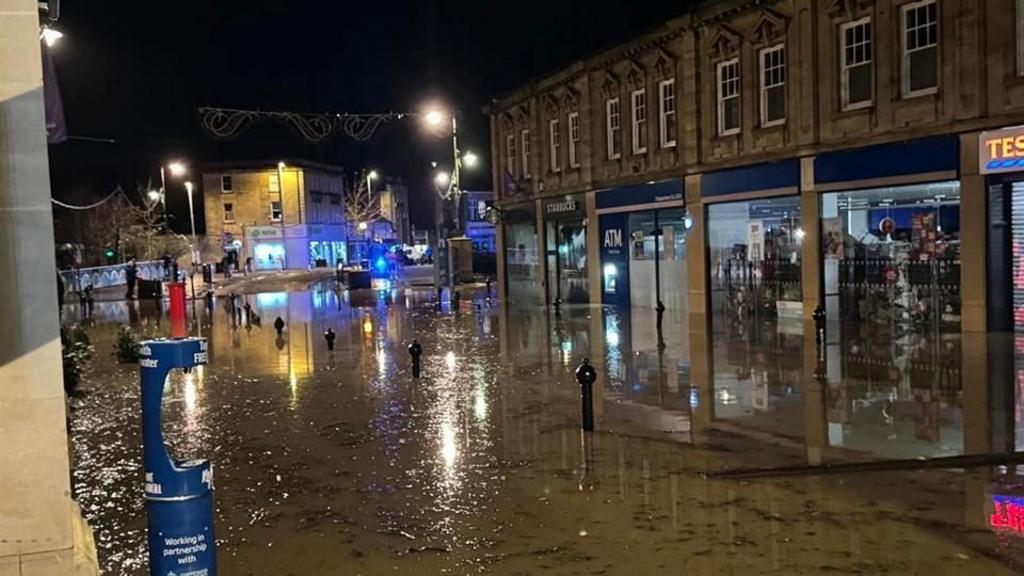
column 574, row 138
column 638, row 121
column 764, row 87
column 1020, row 37
column 510, row 153
column 721, row 99
column 274, row 183
column 844, row 66
column 554, row 144
column 613, row 133
column 905, row 52
column 524, row 152
column 230, row 189
column 280, row 208
column 231, row 212
column 663, row 113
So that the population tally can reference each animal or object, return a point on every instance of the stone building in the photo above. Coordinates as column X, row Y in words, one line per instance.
column 757, row 159
column 279, row 215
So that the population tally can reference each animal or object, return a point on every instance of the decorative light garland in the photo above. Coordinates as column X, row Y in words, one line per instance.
column 227, row 123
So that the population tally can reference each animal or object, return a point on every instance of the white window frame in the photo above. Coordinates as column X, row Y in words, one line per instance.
column 844, row 66
column 574, row 138
column 668, row 111
column 1020, row 37
column 226, row 211
column 638, row 120
column 723, row 98
column 278, row 219
column 905, row 50
column 229, row 189
column 555, row 144
column 274, row 184
column 764, row 86
column 510, row 153
column 613, row 130
column 524, row 152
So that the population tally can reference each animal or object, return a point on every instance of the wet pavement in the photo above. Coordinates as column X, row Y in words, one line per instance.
column 341, row 463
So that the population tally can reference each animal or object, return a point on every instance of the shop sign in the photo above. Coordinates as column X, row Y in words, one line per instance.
column 263, row 232
column 564, row 206
column 1007, row 514
column 1001, row 150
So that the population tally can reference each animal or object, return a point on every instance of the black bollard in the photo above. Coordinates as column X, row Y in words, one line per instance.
column 440, row 295
column 279, row 325
column 329, row 336
column 488, row 286
column 819, row 324
column 660, row 308
column 557, row 303
column 586, row 375
column 415, row 350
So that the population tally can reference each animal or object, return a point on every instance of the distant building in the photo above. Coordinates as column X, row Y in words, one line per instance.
column 478, row 227
column 394, row 207
column 288, row 216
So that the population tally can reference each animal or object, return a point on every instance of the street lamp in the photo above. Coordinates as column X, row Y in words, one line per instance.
column 50, row 36
column 470, row 159
column 435, row 117
column 154, row 196
column 178, row 170
column 371, row 175
column 442, row 179
column 192, row 243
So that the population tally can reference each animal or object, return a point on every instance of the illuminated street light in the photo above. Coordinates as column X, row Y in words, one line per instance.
column 470, row 160
column 363, row 226
column 50, row 36
column 435, row 117
column 372, row 175
column 177, row 169
column 442, row 179
column 154, row 195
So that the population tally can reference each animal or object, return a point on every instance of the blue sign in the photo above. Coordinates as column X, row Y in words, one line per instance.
column 179, row 495
column 928, row 155
column 756, row 178
column 652, row 193
column 614, row 260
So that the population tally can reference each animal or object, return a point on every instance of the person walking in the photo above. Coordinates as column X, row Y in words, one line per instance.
column 131, row 275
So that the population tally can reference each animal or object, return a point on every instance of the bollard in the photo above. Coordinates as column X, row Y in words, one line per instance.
column 456, row 299
column 557, row 303
column 586, row 375
column 179, row 495
column 329, row 336
column 179, row 327
column 415, row 350
column 819, row 323
column 279, row 326
column 488, row 286
column 660, row 308
column 440, row 295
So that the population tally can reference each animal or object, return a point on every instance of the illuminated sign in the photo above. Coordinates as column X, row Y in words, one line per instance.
column 1001, row 150
column 1007, row 514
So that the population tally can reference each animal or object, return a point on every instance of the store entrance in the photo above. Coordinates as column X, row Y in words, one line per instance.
column 892, row 258
column 657, row 259
column 566, row 250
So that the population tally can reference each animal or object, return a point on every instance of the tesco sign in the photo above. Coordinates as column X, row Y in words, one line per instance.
column 1001, row 150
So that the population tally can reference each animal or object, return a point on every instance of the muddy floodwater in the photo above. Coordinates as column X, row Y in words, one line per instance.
column 340, row 462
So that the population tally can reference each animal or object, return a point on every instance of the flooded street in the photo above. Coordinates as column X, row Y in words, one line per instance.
column 339, row 462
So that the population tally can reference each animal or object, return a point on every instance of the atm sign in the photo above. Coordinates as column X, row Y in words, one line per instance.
column 1001, row 150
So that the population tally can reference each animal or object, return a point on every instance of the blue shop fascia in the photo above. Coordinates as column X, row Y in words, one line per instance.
column 643, row 231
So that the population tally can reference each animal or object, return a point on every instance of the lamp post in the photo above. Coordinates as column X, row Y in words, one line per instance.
column 192, row 243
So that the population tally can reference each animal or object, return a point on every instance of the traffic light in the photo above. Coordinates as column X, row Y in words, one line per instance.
column 110, row 254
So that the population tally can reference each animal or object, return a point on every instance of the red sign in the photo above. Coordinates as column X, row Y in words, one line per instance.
column 887, row 225
column 1007, row 514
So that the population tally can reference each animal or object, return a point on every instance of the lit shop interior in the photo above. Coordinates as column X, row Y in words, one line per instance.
column 754, row 259
column 892, row 256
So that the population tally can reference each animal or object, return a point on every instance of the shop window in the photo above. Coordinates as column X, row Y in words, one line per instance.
column 667, row 112
column 755, row 258
column 639, row 111
column 773, row 86
column 574, row 139
column 522, row 265
column 229, row 212
column 524, row 151
column 729, row 97
column 920, row 48
column 227, row 185
column 857, row 81
column 613, row 129
column 555, row 142
column 892, row 256
column 275, row 211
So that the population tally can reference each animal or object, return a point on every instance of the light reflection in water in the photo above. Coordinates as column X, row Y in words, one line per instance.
column 449, row 450
column 450, row 361
column 480, row 403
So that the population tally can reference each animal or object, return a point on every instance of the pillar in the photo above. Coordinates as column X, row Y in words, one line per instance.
column 593, row 250
column 41, row 530
column 500, row 255
column 810, row 252
column 973, row 226
column 697, row 303
column 542, row 252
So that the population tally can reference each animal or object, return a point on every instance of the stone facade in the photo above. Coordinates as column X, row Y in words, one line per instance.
column 979, row 84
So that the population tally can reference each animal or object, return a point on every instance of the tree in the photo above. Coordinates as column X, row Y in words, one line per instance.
column 362, row 204
column 129, row 226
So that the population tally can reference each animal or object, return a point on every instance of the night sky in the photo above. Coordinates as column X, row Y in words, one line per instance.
column 135, row 73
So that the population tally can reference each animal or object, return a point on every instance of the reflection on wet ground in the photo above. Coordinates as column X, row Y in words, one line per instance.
column 340, row 463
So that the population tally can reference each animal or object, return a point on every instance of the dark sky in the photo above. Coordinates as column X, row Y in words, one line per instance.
column 135, row 72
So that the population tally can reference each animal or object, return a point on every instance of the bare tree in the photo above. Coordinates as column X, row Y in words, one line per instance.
column 362, row 204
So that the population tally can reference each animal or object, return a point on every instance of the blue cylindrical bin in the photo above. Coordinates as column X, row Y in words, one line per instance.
column 179, row 495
